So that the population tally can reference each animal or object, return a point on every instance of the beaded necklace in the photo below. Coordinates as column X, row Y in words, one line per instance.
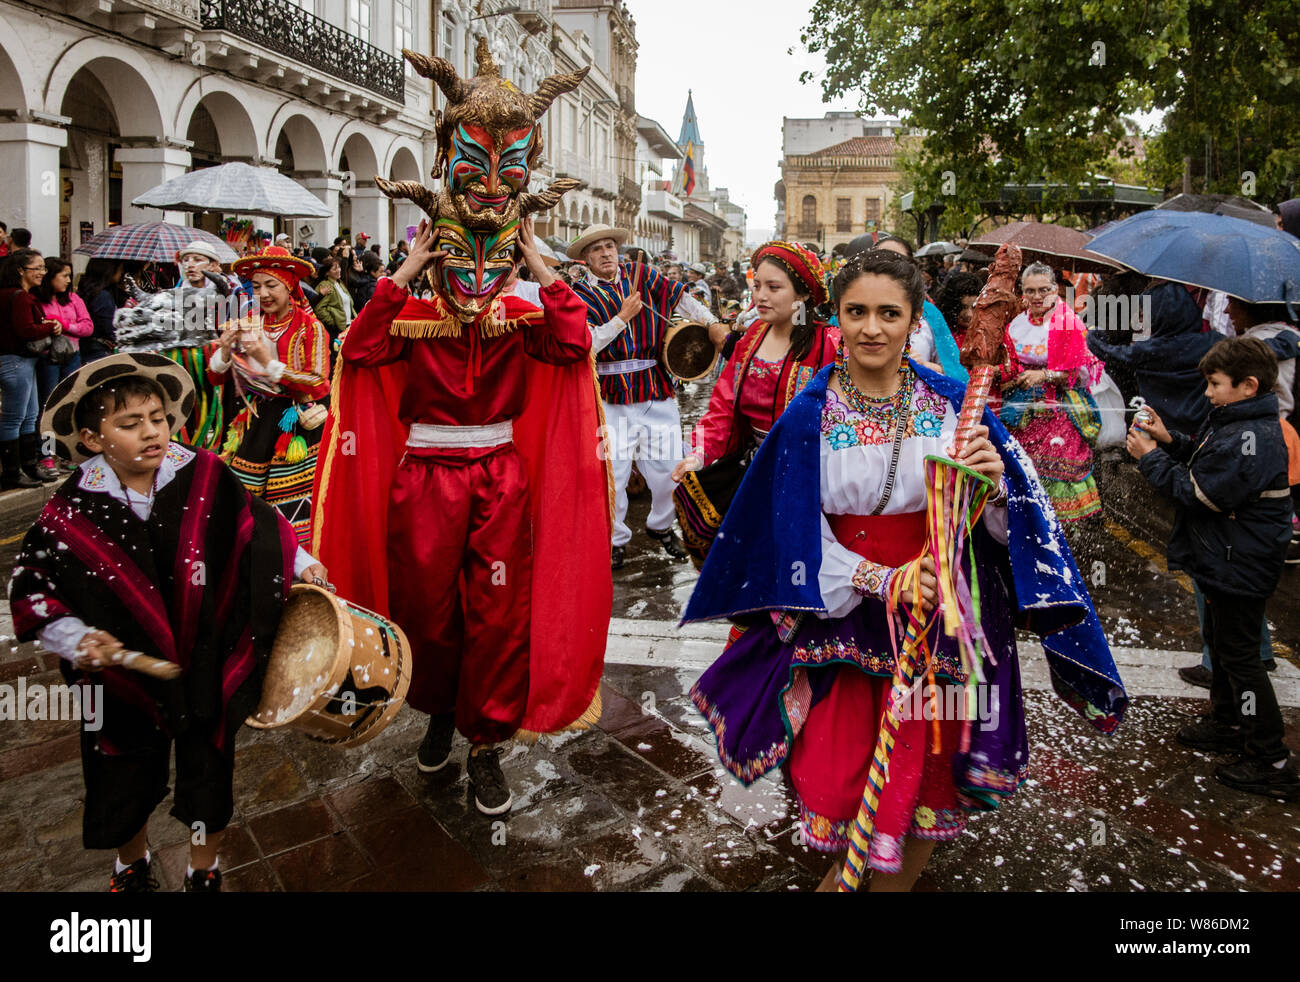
column 884, row 409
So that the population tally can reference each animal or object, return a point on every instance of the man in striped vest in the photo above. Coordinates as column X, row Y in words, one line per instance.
column 628, row 310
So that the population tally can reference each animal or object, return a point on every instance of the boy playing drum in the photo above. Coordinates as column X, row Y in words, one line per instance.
column 153, row 547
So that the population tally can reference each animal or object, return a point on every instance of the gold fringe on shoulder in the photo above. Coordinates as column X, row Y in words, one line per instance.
column 491, row 325
column 589, row 718
column 448, row 327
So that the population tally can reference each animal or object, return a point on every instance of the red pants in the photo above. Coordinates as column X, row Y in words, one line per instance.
column 459, row 521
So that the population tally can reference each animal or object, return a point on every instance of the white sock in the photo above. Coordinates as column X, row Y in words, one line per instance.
column 189, row 870
column 118, row 865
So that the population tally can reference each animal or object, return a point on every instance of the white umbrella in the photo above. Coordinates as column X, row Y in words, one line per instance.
column 236, row 188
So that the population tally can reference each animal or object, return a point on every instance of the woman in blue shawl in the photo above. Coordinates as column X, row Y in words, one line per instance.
column 831, row 512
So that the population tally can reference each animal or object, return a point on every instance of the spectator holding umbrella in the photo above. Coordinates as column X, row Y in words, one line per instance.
column 1165, row 364
column 21, row 322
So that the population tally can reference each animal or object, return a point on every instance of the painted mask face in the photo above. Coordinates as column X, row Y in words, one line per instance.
column 486, row 166
column 477, row 265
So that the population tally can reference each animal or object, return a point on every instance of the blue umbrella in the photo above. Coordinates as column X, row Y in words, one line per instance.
column 1236, row 257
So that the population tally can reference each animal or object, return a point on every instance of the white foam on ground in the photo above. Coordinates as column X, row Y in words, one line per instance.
column 1145, row 671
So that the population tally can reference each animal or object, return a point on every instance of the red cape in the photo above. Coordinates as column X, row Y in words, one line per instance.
column 558, row 436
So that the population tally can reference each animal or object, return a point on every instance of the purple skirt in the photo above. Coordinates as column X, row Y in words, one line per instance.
column 756, row 703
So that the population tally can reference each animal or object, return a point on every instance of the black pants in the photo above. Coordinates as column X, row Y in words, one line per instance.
column 123, row 789
column 1240, row 691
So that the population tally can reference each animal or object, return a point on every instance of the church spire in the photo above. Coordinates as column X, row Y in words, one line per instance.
column 690, row 125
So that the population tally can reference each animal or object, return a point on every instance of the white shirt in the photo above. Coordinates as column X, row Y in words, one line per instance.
column 853, row 479
column 528, row 290
column 923, row 342
column 1284, row 389
column 63, row 635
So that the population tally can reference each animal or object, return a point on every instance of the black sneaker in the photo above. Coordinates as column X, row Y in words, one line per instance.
column 435, row 751
column 203, row 881
column 491, row 793
column 668, row 539
column 136, row 878
column 1197, row 675
column 617, row 556
column 1261, row 777
column 1211, row 736
column 1270, row 665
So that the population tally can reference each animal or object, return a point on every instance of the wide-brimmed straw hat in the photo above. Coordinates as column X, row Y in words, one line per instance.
column 596, row 233
column 60, row 416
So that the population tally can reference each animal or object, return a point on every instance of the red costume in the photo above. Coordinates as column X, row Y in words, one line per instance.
column 767, row 389
column 492, row 558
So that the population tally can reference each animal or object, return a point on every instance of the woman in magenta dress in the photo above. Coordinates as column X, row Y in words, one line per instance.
column 778, row 355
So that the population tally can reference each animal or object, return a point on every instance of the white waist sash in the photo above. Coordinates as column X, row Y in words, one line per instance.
column 425, row 435
column 624, row 367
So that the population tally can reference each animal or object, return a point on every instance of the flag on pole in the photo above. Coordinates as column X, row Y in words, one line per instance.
column 688, row 171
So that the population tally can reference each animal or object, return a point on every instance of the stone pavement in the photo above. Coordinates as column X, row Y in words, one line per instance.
column 640, row 803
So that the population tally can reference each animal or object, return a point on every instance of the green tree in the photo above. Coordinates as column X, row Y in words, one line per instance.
column 1019, row 91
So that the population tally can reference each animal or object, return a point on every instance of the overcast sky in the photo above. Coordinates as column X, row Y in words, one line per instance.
column 733, row 55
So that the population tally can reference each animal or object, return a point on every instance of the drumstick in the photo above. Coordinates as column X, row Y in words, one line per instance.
column 137, row 661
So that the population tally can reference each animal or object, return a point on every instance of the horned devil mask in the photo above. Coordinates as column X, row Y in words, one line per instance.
column 488, row 142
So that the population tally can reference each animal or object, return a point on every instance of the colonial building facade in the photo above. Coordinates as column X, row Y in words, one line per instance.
column 837, row 177
column 102, row 101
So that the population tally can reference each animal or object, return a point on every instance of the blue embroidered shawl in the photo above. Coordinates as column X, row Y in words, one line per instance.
column 767, row 554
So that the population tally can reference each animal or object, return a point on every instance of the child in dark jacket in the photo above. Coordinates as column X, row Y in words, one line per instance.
column 1230, row 534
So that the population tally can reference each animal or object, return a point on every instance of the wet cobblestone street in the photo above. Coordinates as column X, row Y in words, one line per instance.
column 641, row 802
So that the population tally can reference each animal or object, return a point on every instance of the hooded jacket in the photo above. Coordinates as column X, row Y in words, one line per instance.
column 1234, row 506
column 1166, row 363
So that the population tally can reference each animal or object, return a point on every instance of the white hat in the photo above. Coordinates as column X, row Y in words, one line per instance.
column 699, row 268
column 282, row 235
column 594, row 234
column 200, row 248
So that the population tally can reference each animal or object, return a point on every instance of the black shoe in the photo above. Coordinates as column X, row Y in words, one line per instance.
column 1293, row 551
column 1196, row 675
column 491, row 793
column 668, row 539
column 1270, row 665
column 11, row 474
column 203, row 881
column 136, row 878
column 617, row 556
column 435, row 751
column 1211, row 736
column 1260, row 777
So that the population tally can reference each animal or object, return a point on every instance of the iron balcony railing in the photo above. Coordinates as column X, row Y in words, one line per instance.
column 287, row 29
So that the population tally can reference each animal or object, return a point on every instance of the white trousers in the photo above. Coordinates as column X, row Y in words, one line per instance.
column 651, row 434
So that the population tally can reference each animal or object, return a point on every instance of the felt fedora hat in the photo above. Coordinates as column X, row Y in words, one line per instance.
column 594, row 234
column 60, row 416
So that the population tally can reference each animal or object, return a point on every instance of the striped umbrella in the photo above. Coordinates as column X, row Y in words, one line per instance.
column 150, row 242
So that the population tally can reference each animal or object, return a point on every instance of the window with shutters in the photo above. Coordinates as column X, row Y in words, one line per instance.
column 843, row 215
column 808, row 218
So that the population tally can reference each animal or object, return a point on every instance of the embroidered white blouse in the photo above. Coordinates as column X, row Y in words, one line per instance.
column 855, row 456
